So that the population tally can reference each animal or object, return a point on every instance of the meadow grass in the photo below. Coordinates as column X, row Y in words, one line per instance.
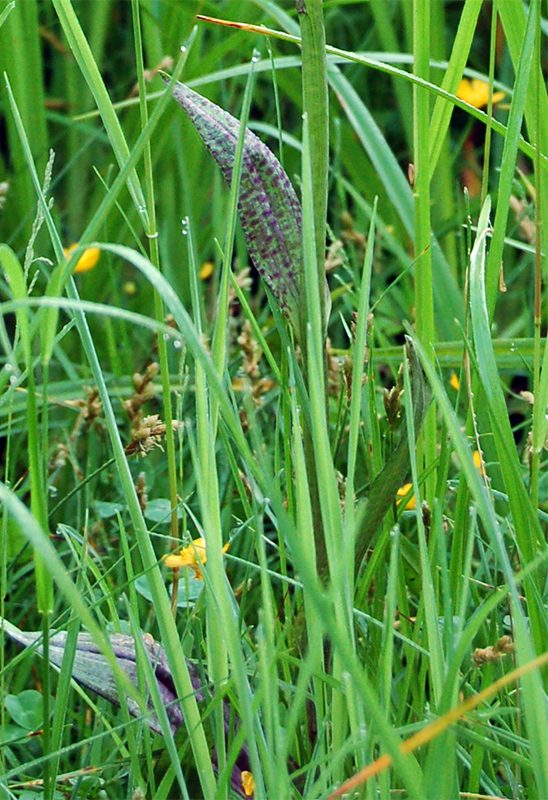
column 382, row 601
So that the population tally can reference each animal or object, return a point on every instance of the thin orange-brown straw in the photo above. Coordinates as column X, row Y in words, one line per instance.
column 437, row 727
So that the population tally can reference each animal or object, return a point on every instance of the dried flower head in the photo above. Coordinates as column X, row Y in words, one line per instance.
column 392, row 406
column 147, row 434
column 251, row 351
column 243, row 280
column 493, row 653
column 144, row 390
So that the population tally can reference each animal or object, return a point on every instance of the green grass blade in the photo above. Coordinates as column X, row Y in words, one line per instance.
column 84, row 57
column 316, row 106
column 532, row 687
column 509, row 155
column 528, row 531
column 441, row 115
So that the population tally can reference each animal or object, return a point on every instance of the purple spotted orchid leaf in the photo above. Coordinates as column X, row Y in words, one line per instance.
column 92, row 670
column 269, row 210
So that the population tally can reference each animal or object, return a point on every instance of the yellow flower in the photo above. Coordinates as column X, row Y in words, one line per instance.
column 192, row 556
column 206, row 271
column 454, row 382
column 130, row 288
column 248, row 783
column 87, row 260
column 478, row 463
column 402, row 492
column 476, row 92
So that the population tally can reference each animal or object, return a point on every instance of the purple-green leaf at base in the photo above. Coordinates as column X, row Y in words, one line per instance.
column 269, row 210
column 92, row 670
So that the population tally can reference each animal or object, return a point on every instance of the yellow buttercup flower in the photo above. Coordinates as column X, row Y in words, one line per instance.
column 454, row 382
column 478, row 463
column 475, row 92
column 87, row 260
column 402, row 492
column 192, row 556
column 248, row 783
column 206, row 271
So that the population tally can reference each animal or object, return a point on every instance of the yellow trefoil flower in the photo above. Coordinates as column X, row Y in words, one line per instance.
column 87, row 260
column 475, row 92
column 248, row 783
column 402, row 492
column 476, row 456
column 206, row 271
column 192, row 556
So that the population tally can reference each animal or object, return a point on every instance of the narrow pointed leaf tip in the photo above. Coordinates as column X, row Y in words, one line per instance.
column 269, row 210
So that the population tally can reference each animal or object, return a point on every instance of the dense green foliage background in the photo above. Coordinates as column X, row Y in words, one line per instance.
column 324, row 666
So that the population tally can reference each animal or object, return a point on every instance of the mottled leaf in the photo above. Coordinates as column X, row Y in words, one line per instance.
column 269, row 210
column 92, row 670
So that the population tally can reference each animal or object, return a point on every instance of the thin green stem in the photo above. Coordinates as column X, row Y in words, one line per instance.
column 424, row 295
column 316, row 109
column 316, row 106
column 152, row 234
column 537, row 312
column 488, row 126
column 169, row 634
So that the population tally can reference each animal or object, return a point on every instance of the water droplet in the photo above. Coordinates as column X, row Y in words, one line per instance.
column 177, row 344
column 9, row 367
column 142, row 209
column 512, row 348
column 52, row 490
column 152, row 235
column 183, row 48
column 13, row 379
column 256, row 56
column 165, row 337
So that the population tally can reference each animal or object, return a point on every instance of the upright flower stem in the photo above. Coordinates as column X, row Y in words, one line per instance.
column 424, row 295
column 152, row 235
column 315, row 106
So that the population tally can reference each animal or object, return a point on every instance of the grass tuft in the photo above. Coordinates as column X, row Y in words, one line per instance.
column 365, row 614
